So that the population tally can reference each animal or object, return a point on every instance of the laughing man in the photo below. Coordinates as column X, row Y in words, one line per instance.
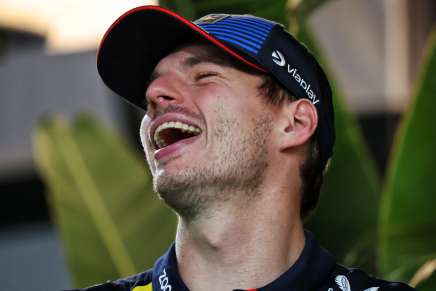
column 237, row 133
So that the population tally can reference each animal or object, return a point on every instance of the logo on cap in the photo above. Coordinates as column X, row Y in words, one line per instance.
column 295, row 75
column 278, row 58
column 211, row 18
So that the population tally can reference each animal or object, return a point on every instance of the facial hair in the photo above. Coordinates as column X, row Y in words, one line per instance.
column 234, row 170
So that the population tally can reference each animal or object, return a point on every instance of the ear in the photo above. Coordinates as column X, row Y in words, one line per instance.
column 299, row 120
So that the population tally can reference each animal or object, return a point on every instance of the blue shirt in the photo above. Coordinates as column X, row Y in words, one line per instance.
column 314, row 270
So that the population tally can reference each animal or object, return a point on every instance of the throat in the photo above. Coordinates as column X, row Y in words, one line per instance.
column 232, row 251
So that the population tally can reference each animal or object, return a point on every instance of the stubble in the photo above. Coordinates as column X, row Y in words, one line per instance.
column 234, row 171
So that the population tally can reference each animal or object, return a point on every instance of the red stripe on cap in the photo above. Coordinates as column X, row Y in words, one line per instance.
column 251, row 290
column 188, row 23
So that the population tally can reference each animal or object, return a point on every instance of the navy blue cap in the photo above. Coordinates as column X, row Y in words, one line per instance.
column 141, row 37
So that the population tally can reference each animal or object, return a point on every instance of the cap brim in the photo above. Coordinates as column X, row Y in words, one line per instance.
column 138, row 40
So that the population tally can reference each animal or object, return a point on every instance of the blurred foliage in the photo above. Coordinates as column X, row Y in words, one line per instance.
column 185, row 8
column 269, row 9
column 347, row 214
column 407, row 214
column 84, row 165
column 101, row 200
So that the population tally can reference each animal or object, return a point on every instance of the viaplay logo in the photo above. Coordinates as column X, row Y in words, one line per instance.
column 280, row 60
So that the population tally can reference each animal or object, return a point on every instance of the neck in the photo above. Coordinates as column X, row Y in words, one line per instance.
column 231, row 247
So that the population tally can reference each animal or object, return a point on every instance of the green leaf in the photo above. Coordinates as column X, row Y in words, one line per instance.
column 223, row 6
column 299, row 11
column 345, row 221
column 427, row 285
column 111, row 223
column 407, row 213
column 274, row 10
column 425, row 274
column 185, row 8
column 305, row 7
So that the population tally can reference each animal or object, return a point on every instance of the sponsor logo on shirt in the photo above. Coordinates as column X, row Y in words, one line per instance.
column 164, row 282
column 344, row 284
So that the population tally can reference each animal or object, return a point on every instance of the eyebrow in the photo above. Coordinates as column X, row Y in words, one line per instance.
column 192, row 61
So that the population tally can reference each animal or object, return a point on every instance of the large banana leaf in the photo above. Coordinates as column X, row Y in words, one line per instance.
column 408, row 213
column 111, row 223
column 345, row 221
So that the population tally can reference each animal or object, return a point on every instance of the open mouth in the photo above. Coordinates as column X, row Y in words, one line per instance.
column 171, row 132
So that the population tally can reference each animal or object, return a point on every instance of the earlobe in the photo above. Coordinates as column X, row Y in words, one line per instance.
column 300, row 122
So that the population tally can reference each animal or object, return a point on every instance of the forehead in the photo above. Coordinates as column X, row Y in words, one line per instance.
column 189, row 55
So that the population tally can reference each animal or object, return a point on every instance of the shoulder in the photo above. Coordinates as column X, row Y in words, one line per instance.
column 140, row 282
column 349, row 279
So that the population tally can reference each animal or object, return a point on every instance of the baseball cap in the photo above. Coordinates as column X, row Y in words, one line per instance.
column 135, row 43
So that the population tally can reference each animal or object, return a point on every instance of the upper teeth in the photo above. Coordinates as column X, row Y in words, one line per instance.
column 172, row 124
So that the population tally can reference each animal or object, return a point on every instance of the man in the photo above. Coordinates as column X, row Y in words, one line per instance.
column 237, row 133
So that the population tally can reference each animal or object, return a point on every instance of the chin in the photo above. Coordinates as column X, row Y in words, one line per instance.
column 179, row 192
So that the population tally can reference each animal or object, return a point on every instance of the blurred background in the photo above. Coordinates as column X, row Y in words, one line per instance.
column 375, row 49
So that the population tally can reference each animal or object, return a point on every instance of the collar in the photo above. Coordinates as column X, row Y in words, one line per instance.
column 309, row 271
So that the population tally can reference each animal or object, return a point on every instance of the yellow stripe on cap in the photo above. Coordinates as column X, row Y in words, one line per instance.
column 147, row 287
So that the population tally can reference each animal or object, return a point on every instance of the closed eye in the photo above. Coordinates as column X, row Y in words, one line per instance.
column 204, row 75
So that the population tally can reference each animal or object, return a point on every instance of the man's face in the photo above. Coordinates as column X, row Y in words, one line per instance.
column 205, row 134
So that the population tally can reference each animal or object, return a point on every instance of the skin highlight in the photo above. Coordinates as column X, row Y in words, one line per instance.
column 235, row 188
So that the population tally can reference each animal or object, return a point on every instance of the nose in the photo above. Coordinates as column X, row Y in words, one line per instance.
column 163, row 91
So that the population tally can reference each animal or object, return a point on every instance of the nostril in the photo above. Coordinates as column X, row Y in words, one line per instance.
column 166, row 97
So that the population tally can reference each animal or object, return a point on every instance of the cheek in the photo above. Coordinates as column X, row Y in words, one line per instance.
column 226, row 109
column 208, row 98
